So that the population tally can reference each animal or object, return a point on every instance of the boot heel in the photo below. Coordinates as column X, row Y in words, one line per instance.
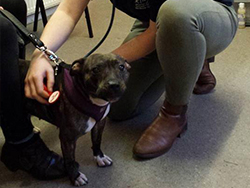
column 182, row 133
column 8, row 162
column 12, row 167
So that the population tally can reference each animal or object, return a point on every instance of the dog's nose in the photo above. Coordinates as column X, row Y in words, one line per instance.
column 113, row 85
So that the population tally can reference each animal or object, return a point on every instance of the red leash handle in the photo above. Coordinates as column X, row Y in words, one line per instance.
column 46, row 89
column 53, row 96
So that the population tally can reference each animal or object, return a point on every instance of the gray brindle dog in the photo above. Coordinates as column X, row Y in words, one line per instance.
column 86, row 91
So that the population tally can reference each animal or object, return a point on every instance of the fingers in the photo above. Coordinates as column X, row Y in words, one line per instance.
column 1, row 8
column 34, row 90
column 50, row 80
column 39, row 69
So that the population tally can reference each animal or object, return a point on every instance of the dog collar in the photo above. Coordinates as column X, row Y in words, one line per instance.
column 79, row 98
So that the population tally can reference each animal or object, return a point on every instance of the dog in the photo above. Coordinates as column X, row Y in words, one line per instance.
column 86, row 92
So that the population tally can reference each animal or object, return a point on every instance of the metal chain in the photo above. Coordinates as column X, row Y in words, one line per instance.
column 51, row 56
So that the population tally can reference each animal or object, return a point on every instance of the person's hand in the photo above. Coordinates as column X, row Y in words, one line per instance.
column 1, row 8
column 39, row 69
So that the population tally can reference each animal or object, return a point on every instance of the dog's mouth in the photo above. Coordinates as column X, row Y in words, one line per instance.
column 109, row 94
column 112, row 100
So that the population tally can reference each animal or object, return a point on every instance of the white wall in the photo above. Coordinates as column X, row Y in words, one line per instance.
column 31, row 5
column 50, row 6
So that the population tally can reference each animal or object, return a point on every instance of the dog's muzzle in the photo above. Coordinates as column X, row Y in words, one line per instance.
column 111, row 90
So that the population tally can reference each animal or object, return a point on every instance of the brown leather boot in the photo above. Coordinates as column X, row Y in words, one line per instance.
column 161, row 134
column 206, row 81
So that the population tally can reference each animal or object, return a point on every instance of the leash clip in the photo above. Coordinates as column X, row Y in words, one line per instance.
column 50, row 54
column 52, row 57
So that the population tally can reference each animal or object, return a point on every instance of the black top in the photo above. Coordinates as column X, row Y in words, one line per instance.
column 146, row 10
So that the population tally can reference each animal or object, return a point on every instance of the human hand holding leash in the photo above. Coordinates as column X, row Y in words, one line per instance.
column 39, row 69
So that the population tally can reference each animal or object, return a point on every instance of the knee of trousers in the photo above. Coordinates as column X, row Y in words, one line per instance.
column 8, row 33
column 9, row 40
column 175, row 15
column 7, row 28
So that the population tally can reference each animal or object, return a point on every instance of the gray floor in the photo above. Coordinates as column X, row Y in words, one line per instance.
column 215, row 151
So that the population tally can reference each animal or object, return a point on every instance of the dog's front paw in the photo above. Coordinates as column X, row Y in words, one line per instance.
column 103, row 161
column 81, row 180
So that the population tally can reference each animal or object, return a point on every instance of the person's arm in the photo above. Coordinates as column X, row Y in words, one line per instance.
column 62, row 23
column 139, row 46
column 56, row 32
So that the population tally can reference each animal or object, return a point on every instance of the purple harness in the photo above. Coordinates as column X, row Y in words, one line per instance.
column 80, row 99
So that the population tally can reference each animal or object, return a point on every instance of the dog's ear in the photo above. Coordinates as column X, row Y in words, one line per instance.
column 120, row 58
column 76, row 67
column 127, row 65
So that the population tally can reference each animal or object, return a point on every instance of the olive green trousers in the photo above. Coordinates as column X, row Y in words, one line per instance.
column 188, row 32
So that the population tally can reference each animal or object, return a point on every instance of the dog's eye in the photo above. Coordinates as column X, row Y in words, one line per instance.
column 95, row 70
column 121, row 67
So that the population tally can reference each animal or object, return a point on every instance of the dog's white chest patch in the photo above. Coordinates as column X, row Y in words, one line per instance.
column 106, row 112
column 90, row 123
column 99, row 102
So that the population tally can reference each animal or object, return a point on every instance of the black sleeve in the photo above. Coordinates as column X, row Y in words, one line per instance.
column 154, row 8
column 226, row 2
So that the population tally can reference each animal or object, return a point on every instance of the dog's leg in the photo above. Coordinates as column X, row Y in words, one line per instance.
column 96, row 137
column 68, row 149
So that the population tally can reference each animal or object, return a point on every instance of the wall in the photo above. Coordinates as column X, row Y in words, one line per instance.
column 50, row 6
column 31, row 5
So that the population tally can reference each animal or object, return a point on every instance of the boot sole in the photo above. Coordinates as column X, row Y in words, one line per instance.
column 183, row 132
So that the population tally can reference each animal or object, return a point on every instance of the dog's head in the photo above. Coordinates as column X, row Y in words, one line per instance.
column 103, row 75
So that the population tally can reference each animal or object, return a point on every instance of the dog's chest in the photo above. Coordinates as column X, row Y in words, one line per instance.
column 74, row 120
column 91, row 121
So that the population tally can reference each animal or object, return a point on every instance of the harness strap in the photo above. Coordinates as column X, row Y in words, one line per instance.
column 79, row 98
column 65, row 65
